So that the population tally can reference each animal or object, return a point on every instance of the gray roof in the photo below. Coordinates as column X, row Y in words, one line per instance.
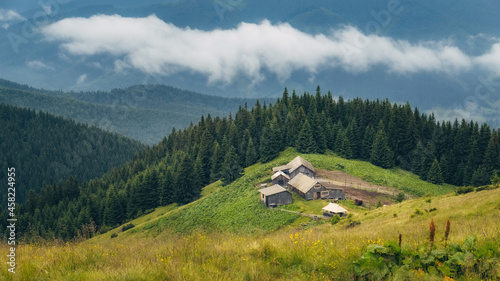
column 328, row 184
column 302, row 182
column 279, row 173
column 294, row 165
column 275, row 189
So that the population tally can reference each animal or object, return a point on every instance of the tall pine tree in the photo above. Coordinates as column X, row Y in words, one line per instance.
column 381, row 154
column 305, row 142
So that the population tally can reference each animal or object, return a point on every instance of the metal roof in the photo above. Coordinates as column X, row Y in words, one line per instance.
column 302, row 182
column 279, row 173
column 275, row 189
column 299, row 161
column 328, row 184
column 294, row 165
column 334, row 208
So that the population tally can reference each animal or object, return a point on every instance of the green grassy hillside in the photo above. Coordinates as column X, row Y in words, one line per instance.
column 254, row 243
column 236, row 208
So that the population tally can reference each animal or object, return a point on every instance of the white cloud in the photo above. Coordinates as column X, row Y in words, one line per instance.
column 156, row 47
column 491, row 60
column 9, row 15
column 38, row 65
column 81, row 79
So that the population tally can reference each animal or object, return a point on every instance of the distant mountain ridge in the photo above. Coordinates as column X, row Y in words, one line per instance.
column 144, row 112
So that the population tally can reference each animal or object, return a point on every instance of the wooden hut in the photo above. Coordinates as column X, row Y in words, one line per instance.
column 309, row 188
column 280, row 178
column 333, row 209
column 297, row 166
column 275, row 196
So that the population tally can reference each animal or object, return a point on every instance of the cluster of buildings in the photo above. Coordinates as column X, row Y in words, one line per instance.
column 298, row 176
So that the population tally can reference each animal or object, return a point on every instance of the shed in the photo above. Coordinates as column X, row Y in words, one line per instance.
column 310, row 188
column 280, row 178
column 296, row 166
column 274, row 196
column 334, row 209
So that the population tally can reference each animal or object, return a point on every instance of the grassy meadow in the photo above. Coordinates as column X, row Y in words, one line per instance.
column 228, row 235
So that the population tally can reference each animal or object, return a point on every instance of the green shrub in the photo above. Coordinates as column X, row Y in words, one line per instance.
column 353, row 223
column 464, row 189
column 418, row 211
column 392, row 261
column 400, row 197
column 114, row 235
column 128, row 226
column 335, row 220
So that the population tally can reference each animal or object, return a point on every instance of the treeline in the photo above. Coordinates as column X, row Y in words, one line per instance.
column 48, row 149
column 175, row 170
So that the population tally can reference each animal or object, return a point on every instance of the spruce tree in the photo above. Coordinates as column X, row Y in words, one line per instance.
column 165, row 192
column 217, row 160
column 435, row 175
column 346, row 147
column 381, row 154
column 268, row 147
column 204, row 155
column 251, row 156
column 231, row 169
column 305, row 142
column 319, row 132
column 481, row 176
column 368, row 139
column 184, row 189
column 354, row 138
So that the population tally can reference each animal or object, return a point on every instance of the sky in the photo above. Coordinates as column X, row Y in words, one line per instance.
column 157, row 47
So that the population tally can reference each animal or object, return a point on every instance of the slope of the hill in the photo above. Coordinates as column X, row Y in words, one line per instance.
column 144, row 112
column 237, row 208
column 318, row 251
column 47, row 149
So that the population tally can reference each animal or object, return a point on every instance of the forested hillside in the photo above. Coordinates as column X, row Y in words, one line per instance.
column 45, row 149
column 144, row 112
column 175, row 170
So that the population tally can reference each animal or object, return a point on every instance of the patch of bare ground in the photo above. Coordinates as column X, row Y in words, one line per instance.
column 356, row 188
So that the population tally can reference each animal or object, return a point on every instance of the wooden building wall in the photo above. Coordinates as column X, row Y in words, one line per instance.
column 278, row 199
column 304, row 170
column 280, row 180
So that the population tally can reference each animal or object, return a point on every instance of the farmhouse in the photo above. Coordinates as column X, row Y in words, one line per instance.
column 275, row 196
column 333, row 209
column 296, row 166
column 280, row 178
column 310, row 188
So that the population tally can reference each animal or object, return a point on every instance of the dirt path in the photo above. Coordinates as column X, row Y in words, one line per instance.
column 303, row 214
column 356, row 188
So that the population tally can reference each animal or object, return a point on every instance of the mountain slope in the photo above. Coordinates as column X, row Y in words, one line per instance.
column 146, row 113
column 316, row 251
column 47, row 149
column 236, row 208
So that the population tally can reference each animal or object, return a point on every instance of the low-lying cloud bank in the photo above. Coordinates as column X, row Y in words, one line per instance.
column 153, row 46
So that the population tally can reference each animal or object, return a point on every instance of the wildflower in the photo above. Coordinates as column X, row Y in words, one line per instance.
column 446, row 232
column 432, row 228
